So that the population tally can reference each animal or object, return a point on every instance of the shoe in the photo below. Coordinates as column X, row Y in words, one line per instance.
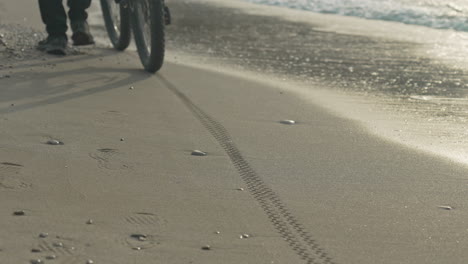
column 56, row 45
column 81, row 35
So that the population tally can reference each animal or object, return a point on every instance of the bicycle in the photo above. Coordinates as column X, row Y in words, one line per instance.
column 147, row 19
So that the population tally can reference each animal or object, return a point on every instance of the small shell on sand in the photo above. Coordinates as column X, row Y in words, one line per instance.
column 206, row 247
column 244, row 236
column 198, row 153
column 288, row 122
column 217, row 232
column 89, row 222
column 136, row 248
column 36, row 261
column 240, row 189
column 51, row 257
column 43, row 235
column 89, row 261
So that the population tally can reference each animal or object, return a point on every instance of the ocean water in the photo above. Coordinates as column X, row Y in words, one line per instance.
column 438, row 14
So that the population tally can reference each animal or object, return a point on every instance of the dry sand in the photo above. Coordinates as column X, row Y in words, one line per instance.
column 321, row 191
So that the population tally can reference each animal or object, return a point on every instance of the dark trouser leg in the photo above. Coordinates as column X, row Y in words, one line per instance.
column 78, row 10
column 54, row 16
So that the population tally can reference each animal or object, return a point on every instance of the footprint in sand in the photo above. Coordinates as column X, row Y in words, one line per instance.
column 10, row 176
column 143, row 229
column 64, row 252
column 110, row 159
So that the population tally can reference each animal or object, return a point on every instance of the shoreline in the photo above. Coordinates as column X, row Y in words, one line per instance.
column 428, row 122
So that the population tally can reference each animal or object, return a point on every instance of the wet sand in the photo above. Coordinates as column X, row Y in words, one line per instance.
column 324, row 190
column 405, row 83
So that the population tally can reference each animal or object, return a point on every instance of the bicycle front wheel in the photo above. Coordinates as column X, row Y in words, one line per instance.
column 148, row 29
column 117, row 20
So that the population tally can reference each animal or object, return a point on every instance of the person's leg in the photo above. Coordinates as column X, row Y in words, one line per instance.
column 77, row 10
column 78, row 21
column 54, row 17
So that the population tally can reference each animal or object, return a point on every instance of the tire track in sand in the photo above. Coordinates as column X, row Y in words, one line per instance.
column 285, row 223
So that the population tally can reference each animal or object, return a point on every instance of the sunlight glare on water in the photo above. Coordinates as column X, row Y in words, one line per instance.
column 431, row 13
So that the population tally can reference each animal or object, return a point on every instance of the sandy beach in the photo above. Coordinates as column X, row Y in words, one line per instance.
column 125, row 187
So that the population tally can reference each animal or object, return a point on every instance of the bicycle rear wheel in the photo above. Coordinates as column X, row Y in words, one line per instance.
column 117, row 20
column 148, row 28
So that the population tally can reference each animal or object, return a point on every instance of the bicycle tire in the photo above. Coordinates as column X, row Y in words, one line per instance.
column 149, row 38
column 119, row 31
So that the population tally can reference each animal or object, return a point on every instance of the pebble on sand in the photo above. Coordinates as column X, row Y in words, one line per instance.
column 240, row 189
column 139, row 237
column 36, row 261
column 206, row 247
column 51, row 257
column 244, row 236
column 445, row 207
column 58, row 244
column 217, row 232
column 198, row 153
column 43, row 235
column 131, row 88
column 18, row 213
column 122, row 139
column 36, row 250
column 136, row 248
column 89, row 261
column 288, row 122
column 54, row 142
column 89, row 222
